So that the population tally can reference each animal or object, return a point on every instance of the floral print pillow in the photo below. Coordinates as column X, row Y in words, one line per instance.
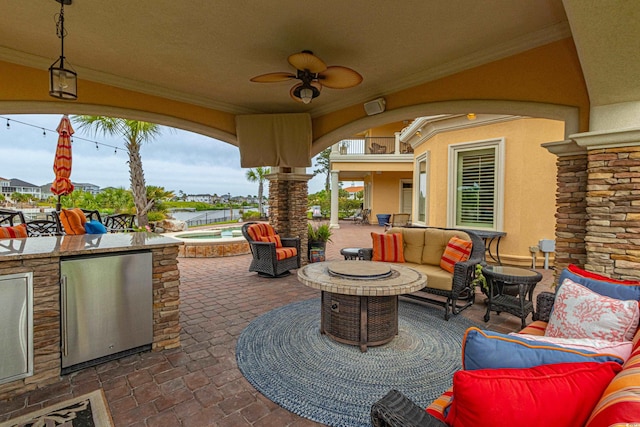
column 579, row 312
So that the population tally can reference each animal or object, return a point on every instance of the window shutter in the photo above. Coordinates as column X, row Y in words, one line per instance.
column 476, row 188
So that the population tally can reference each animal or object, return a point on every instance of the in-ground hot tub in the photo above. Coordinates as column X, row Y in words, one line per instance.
column 211, row 243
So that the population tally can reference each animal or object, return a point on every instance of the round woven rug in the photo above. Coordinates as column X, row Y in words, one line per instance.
column 284, row 356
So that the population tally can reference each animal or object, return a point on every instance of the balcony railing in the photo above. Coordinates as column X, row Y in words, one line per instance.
column 372, row 145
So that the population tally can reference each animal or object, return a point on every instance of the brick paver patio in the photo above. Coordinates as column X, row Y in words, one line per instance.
column 199, row 384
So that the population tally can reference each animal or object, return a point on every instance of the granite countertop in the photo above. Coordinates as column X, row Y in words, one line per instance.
column 55, row 246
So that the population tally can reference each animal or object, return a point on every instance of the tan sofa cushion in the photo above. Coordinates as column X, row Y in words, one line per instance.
column 437, row 278
column 413, row 239
column 435, row 241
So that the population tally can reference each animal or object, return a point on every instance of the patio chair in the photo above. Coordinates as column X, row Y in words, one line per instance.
column 378, row 149
column 398, row 220
column 273, row 256
column 120, row 223
column 9, row 217
column 44, row 227
column 363, row 219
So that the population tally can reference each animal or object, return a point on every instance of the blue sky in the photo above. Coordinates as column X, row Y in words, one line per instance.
column 176, row 160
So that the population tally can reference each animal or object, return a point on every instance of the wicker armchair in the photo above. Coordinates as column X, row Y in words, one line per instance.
column 462, row 289
column 265, row 254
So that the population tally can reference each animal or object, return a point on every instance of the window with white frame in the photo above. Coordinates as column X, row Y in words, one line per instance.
column 421, row 172
column 476, row 174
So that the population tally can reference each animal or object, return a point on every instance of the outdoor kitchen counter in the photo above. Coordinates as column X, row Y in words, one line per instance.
column 41, row 256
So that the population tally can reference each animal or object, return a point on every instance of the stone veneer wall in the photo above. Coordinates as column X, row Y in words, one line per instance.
column 613, row 206
column 46, row 314
column 571, row 211
column 288, row 207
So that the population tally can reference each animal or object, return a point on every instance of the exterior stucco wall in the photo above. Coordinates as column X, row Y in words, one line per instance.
column 529, row 181
column 386, row 192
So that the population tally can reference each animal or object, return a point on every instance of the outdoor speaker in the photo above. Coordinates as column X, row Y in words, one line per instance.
column 374, row 107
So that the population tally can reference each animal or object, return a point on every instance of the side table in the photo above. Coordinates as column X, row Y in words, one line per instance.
column 351, row 253
column 503, row 282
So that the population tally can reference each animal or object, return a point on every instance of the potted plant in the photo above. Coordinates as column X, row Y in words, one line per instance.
column 318, row 237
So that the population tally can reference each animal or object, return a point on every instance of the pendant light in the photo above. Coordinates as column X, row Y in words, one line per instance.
column 63, row 82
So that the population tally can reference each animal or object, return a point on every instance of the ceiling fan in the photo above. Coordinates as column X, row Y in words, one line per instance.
column 314, row 74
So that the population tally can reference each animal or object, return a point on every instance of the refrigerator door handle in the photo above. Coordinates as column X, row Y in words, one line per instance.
column 63, row 310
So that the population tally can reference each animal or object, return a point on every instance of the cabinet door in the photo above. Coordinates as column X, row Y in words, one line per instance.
column 16, row 333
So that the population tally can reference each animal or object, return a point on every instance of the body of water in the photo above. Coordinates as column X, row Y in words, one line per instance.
column 207, row 217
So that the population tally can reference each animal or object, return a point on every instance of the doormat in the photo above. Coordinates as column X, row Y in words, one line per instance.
column 88, row 410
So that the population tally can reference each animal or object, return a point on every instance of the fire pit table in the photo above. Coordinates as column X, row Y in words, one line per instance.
column 359, row 304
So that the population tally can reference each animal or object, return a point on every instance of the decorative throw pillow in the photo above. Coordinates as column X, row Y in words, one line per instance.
column 591, row 275
column 72, row 221
column 603, row 287
column 621, row 349
column 16, row 232
column 255, row 231
column 493, row 350
column 94, row 227
column 578, row 312
column 387, row 247
column 457, row 250
column 550, row 395
column 273, row 239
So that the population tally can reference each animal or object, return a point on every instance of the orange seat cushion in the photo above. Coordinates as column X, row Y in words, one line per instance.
column 256, row 231
column 73, row 221
column 284, row 253
column 16, row 232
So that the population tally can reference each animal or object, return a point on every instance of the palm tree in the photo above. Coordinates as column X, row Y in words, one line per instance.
column 134, row 133
column 258, row 174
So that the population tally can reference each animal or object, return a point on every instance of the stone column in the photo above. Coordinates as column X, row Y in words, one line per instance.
column 571, row 203
column 288, row 192
column 335, row 192
column 613, row 202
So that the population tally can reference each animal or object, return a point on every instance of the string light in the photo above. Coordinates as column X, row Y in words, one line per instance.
column 44, row 134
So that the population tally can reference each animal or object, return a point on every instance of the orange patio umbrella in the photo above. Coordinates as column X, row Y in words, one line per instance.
column 62, row 163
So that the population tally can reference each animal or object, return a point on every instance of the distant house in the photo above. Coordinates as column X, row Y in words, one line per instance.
column 80, row 186
column 13, row 185
column 204, row 198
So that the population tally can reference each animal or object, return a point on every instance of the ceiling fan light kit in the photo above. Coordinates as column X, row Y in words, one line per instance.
column 313, row 73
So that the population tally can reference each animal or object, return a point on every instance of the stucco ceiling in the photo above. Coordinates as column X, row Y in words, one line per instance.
column 205, row 51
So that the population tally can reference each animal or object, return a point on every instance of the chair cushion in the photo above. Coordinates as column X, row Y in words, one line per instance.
column 94, row 227
column 387, row 247
column 622, row 349
column 413, row 239
column 579, row 312
column 272, row 239
column 257, row 230
column 606, row 287
column 284, row 253
column 549, row 395
column 15, row 232
column 457, row 250
column 73, row 221
column 483, row 349
column 437, row 278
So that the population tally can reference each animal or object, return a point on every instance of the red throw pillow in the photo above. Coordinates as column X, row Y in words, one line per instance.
column 72, row 222
column 273, row 239
column 457, row 250
column 560, row 394
column 16, row 232
column 591, row 275
column 387, row 247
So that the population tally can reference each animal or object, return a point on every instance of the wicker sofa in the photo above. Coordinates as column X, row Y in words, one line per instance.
column 423, row 249
column 619, row 405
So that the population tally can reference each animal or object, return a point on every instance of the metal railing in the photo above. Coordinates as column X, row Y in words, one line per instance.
column 372, row 145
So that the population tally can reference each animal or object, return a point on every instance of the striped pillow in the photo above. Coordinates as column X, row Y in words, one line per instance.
column 273, row 239
column 16, row 232
column 73, row 221
column 387, row 247
column 457, row 250
column 260, row 229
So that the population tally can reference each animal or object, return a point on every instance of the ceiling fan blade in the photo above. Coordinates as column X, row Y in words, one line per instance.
column 273, row 77
column 306, row 60
column 338, row 77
